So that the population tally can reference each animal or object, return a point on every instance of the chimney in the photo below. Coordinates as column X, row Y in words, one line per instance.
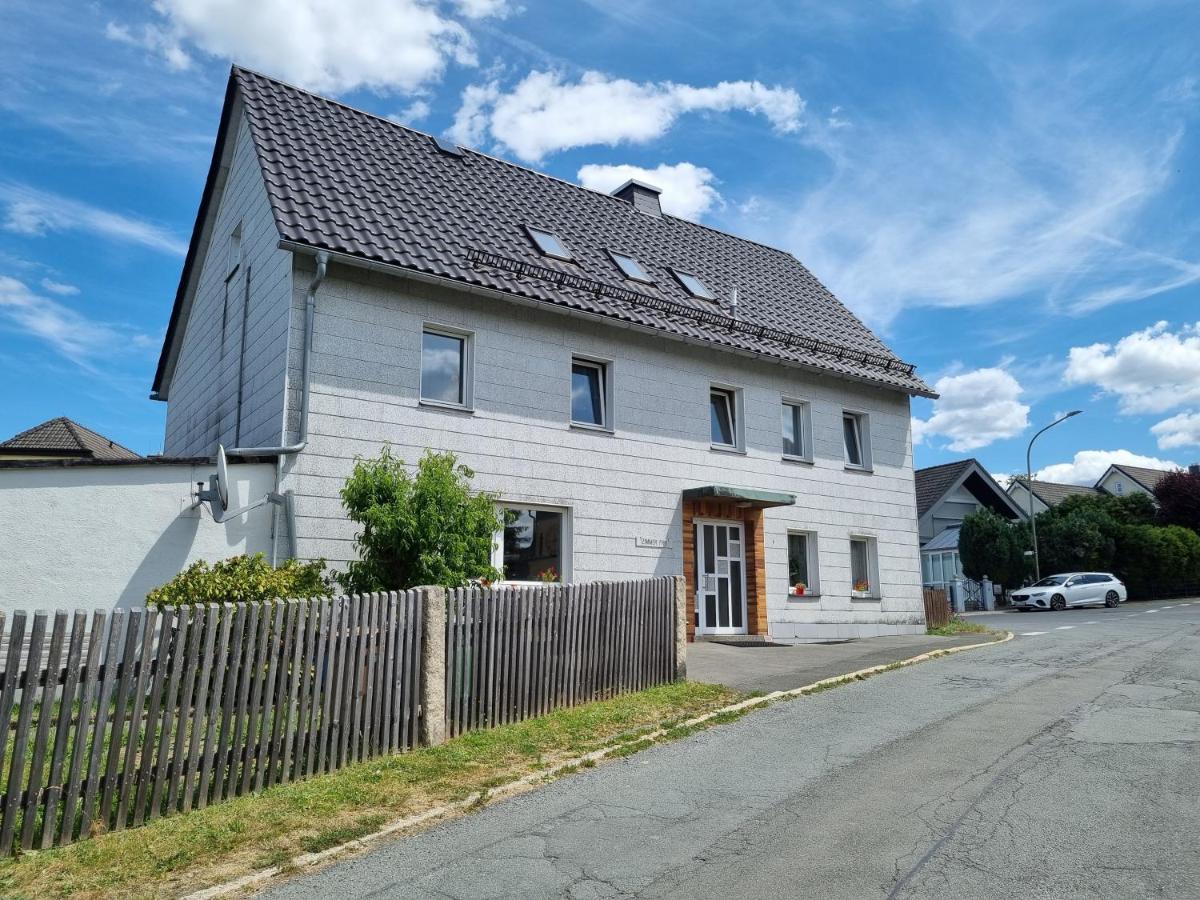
column 644, row 197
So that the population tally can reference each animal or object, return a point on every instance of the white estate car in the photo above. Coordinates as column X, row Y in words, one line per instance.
column 1071, row 589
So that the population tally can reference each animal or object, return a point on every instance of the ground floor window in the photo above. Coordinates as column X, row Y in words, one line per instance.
column 802, row 563
column 862, row 567
column 531, row 546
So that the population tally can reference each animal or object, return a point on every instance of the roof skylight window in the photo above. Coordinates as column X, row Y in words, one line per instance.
column 694, row 285
column 549, row 243
column 630, row 266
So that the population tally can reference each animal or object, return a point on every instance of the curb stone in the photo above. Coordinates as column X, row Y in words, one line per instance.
column 310, row 860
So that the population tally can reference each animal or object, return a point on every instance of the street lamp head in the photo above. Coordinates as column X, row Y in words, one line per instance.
column 1073, row 412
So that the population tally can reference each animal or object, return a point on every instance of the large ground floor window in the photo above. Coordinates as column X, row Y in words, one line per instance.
column 532, row 544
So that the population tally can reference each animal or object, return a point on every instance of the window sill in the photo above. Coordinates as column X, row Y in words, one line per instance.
column 788, row 457
column 856, row 597
column 866, row 470
column 808, row 595
column 451, row 407
column 587, row 426
column 726, row 448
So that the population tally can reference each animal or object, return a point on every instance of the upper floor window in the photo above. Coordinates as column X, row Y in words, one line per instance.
column 856, row 440
column 589, row 393
column 694, row 285
column 549, row 243
column 723, row 417
column 796, row 430
column 445, row 366
column 630, row 267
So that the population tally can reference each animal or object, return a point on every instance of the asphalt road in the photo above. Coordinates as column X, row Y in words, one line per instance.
column 1064, row 763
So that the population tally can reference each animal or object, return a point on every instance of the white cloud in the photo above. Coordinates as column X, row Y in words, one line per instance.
column 1089, row 465
column 544, row 114
column 414, row 112
column 324, row 45
column 687, row 189
column 1182, row 430
column 482, row 9
column 59, row 287
column 975, row 409
column 32, row 212
column 1152, row 370
column 71, row 333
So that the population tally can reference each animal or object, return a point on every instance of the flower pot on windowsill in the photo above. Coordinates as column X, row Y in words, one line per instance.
column 797, row 590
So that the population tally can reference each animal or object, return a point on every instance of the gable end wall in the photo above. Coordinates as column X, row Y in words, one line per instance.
column 203, row 407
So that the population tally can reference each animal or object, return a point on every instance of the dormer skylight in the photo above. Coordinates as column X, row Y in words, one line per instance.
column 630, row 267
column 549, row 243
column 693, row 285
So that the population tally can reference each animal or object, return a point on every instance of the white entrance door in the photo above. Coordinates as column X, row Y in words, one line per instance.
column 720, row 578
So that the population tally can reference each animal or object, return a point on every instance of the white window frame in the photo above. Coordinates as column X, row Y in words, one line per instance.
column 873, row 592
column 736, row 409
column 811, row 542
column 564, row 539
column 862, row 429
column 235, row 250
column 605, row 366
column 806, row 454
column 468, row 368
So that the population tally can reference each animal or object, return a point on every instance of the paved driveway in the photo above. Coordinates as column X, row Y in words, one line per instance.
column 1061, row 764
column 779, row 667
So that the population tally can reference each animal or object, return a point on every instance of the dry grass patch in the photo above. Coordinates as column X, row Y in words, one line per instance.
column 186, row 852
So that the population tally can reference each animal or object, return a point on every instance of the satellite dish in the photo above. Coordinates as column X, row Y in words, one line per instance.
column 222, row 485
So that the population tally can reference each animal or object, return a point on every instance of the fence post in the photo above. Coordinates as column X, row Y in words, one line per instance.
column 433, row 665
column 680, row 628
column 989, row 595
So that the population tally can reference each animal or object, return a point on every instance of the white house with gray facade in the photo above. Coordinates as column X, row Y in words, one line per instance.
column 647, row 395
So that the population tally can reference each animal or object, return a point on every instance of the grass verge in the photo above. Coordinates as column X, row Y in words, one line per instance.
column 182, row 853
column 959, row 626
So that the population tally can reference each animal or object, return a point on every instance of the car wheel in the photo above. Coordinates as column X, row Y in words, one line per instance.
column 1111, row 599
column 1058, row 603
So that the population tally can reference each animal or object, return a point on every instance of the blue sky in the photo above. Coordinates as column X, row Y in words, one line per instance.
column 1009, row 196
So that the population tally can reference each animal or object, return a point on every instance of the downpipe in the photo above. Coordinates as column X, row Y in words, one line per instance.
column 285, row 500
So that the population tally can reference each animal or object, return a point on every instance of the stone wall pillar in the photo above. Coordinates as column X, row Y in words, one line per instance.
column 433, row 665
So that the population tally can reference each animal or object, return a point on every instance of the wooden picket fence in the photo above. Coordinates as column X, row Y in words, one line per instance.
column 515, row 652
column 147, row 712
column 937, row 607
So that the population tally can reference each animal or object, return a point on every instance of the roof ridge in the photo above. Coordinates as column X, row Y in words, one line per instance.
column 957, row 462
column 508, row 162
column 73, row 429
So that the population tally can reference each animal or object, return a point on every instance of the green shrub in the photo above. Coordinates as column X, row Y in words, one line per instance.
column 245, row 578
column 424, row 529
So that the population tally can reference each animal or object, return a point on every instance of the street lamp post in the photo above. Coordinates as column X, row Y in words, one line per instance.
column 1037, row 567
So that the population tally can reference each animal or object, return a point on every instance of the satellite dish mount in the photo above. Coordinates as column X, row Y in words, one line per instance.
column 217, row 495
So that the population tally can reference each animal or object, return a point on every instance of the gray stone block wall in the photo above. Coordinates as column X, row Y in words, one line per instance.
column 617, row 487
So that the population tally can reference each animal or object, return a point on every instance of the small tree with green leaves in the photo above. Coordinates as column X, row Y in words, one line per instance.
column 243, row 578
column 427, row 528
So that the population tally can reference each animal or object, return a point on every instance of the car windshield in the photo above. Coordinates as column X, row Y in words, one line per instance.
column 1051, row 581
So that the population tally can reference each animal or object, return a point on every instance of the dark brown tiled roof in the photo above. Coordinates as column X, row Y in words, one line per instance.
column 1147, row 478
column 63, row 437
column 1052, row 493
column 343, row 180
column 934, row 481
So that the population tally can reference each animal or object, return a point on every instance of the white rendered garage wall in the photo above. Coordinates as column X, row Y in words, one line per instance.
column 622, row 489
column 102, row 536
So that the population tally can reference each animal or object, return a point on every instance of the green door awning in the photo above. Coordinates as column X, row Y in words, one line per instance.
column 749, row 496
